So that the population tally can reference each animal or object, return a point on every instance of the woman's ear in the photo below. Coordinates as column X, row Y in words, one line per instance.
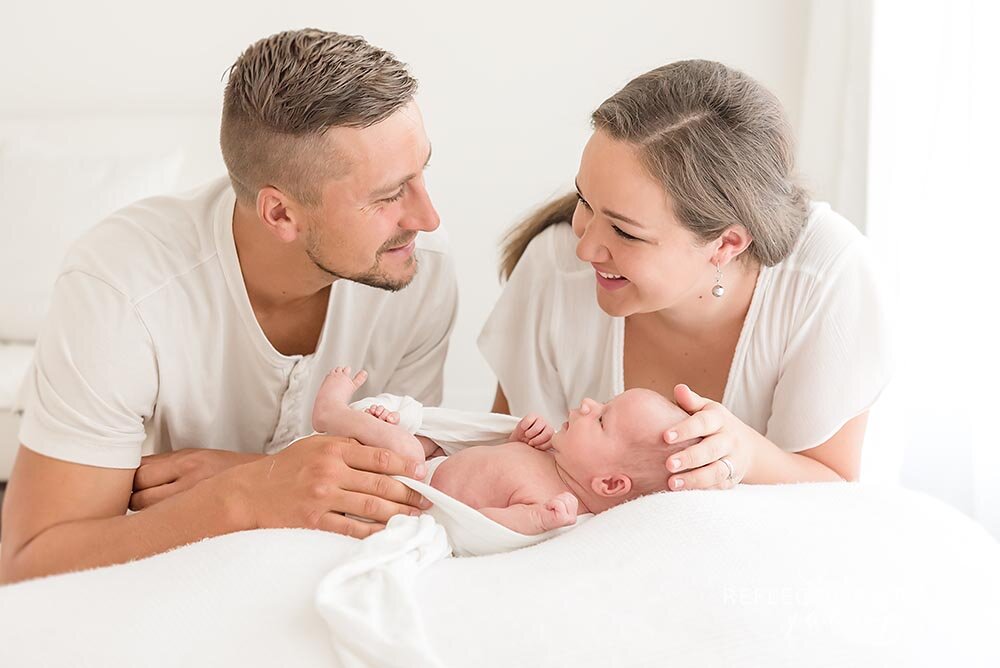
column 734, row 240
column 611, row 486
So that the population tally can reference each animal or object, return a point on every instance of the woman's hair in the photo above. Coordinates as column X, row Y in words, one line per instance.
column 720, row 145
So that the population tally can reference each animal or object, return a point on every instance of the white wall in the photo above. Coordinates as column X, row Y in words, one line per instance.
column 506, row 88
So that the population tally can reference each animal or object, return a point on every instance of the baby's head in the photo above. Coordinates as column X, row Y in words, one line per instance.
column 616, row 451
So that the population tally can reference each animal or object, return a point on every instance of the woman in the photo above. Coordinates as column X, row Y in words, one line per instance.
column 696, row 266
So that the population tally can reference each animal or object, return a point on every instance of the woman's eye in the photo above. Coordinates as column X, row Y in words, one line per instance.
column 582, row 201
column 623, row 234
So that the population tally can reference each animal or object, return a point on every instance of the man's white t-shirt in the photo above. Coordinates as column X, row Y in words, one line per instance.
column 813, row 352
column 151, row 344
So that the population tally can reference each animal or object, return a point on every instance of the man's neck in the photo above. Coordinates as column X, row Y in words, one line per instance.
column 277, row 275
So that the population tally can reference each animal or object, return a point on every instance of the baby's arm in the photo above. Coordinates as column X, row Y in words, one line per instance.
column 532, row 519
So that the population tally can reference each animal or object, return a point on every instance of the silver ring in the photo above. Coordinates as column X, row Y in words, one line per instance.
column 729, row 465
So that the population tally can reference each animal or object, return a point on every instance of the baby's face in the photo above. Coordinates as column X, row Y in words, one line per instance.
column 593, row 440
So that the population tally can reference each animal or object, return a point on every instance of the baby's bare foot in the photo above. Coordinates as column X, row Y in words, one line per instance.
column 383, row 413
column 340, row 386
column 334, row 394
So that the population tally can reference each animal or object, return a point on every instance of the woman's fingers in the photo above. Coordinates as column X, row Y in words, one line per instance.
column 688, row 399
column 701, row 424
column 700, row 454
column 713, row 476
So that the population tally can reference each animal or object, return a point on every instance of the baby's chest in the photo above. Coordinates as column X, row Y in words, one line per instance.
column 491, row 477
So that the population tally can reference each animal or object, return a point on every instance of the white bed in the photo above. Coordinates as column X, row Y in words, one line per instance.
column 818, row 575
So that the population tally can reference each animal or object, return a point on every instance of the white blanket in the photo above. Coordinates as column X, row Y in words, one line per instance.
column 469, row 532
column 803, row 575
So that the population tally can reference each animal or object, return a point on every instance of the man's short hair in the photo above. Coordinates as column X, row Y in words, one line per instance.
column 286, row 90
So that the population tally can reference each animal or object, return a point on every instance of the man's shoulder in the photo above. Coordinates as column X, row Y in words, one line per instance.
column 149, row 243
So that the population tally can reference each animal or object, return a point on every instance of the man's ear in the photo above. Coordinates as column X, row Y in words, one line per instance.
column 611, row 486
column 274, row 210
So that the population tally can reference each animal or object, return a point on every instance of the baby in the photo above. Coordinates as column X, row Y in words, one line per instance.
column 604, row 455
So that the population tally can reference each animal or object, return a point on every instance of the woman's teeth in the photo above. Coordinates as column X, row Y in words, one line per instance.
column 612, row 276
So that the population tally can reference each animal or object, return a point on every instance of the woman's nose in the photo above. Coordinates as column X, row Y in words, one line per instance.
column 589, row 248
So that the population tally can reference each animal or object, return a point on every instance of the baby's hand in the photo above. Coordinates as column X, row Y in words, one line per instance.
column 560, row 511
column 533, row 430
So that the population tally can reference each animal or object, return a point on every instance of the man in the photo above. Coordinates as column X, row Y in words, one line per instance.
column 209, row 320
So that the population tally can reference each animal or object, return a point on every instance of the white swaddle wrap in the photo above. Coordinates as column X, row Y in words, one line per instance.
column 469, row 532
column 368, row 600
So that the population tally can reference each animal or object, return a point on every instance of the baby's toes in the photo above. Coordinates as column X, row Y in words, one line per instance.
column 392, row 417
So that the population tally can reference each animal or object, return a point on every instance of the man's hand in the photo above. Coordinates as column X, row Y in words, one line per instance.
column 161, row 476
column 533, row 430
column 315, row 481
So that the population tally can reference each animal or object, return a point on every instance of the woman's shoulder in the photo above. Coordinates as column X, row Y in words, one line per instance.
column 553, row 252
column 828, row 241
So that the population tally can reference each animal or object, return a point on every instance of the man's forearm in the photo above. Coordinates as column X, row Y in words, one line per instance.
column 210, row 508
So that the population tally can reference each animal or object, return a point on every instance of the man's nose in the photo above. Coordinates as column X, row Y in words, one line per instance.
column 420, row 215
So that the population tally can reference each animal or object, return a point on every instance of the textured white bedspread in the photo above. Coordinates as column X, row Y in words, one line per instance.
column 818, row 575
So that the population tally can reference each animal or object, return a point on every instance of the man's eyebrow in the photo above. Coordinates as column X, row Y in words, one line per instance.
column 391, row 189
column 608, row 212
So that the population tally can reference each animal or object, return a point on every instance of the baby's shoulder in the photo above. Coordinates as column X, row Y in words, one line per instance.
column 530, row 474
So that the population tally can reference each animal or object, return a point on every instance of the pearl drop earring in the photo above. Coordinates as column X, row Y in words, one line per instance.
column 718, row 290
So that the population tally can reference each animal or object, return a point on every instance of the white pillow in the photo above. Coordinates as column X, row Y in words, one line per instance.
column 52, row 194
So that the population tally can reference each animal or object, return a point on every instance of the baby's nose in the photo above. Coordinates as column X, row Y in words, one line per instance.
column 587, row 405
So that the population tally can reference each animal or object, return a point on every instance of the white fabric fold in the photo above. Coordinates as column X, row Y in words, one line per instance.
column 368, row 600
column 452, row 429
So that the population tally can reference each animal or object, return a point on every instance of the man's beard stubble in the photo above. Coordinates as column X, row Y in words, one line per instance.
column 373, row 276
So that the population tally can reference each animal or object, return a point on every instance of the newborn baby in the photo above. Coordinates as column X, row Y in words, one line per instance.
column 604, row 455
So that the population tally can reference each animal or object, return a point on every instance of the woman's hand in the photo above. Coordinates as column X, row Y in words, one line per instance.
column 723, row 436
column 161, row 476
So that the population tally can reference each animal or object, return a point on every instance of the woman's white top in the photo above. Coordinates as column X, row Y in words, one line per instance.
column 812, row 355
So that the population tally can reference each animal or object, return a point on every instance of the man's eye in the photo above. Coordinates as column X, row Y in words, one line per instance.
column 394, row 198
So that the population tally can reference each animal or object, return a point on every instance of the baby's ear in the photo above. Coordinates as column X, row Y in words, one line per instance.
column 612, row 486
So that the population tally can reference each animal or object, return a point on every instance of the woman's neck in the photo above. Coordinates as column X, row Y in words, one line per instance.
column 701, row 313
